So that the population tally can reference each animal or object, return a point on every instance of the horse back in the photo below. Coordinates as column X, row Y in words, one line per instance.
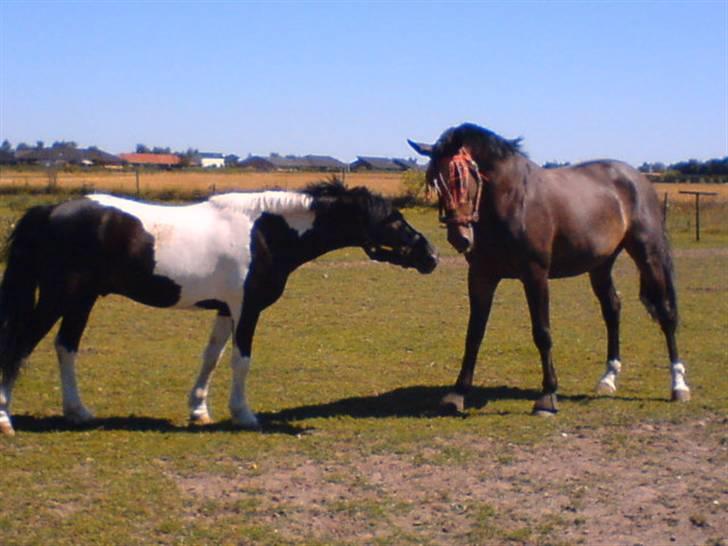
column 584, row 213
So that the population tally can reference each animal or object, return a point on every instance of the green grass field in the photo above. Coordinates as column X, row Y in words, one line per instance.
column 347, row 366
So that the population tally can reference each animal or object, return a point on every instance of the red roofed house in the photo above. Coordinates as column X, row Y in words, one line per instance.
column 156, row 160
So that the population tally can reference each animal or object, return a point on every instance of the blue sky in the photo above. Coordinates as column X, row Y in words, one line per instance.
column 632, row 80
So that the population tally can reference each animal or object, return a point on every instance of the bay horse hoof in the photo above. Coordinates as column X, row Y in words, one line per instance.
column 6, row 428
column 546, row 406
column 680, row 395
column 200, row 420
column 452, row 404
column 606, row 388
column 78, row 416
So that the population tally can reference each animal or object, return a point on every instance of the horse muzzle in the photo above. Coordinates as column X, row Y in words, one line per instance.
column 460, row 236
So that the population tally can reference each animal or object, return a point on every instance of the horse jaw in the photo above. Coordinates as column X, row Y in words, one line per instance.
column 460, row 237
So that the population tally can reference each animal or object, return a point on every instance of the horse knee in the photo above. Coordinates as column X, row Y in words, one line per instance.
column 542, row 338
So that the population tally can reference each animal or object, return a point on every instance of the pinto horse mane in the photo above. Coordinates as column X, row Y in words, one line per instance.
column 372, row 204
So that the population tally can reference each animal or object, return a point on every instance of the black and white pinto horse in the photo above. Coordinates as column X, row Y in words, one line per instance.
column 232, row 253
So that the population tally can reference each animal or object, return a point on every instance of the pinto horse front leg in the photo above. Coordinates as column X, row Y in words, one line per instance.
column 240, row 412
column 480, row 291
column 537, row 294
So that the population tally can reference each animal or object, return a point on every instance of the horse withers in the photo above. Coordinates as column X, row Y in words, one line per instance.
column 232, row 253
column 515, row 220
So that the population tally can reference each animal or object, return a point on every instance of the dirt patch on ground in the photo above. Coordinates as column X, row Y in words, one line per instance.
column 651, row 484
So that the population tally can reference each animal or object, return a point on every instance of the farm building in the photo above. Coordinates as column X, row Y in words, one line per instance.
column 152, row 160
column 293, row 163
column 66, row 155
column 364, row 163
column 211, row 160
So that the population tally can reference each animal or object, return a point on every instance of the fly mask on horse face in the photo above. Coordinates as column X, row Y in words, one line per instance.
column 458, row 182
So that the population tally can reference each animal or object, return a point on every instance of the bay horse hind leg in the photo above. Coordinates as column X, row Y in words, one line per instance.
column 480, row 291
column 603, row 286
column 197, row 400
column 73, row 324
column 537, row 294
column 658, row 294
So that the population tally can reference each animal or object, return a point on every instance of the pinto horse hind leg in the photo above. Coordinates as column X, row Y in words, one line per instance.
column 603, row 287
column 658, row 294
column 66, row 344
column 197, row 401
column 42, row 319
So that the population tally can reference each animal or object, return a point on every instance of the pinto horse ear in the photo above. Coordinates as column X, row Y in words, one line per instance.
column 421, row 148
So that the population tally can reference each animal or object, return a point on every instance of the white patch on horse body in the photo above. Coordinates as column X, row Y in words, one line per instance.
column 73, row 408
column 205, row 248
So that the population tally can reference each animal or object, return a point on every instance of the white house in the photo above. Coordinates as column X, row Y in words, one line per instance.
column 212, row 161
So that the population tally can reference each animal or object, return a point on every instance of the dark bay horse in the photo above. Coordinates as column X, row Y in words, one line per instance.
column 232, row 253
column 515, row 220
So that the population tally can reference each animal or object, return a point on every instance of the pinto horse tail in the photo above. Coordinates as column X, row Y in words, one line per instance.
column 19, row 286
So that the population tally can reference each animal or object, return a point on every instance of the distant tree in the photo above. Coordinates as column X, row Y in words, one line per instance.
column 6, row 146
column 231, row 160
column 22, row 146
column 39, row 145
column 160, row 150
column 142, row 149
column 555, row 165
column 64, row 144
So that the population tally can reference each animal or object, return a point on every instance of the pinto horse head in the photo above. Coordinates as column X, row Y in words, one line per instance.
column 357, row 214
column 393, row 240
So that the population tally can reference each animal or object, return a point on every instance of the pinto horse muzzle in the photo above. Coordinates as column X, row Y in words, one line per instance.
column 420, row 254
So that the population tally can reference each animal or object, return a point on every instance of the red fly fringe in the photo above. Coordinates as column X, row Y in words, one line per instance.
column 454, row 192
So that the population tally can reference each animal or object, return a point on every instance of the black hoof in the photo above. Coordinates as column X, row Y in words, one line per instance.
column 546, row 406
column 452, row 404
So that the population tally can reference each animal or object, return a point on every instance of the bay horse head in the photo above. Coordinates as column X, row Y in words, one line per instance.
column 460, row 167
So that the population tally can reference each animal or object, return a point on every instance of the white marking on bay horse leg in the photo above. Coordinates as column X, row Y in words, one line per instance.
column 680, row 389
column 239, row 410
column 608, row 383
column 6, row 425
column 73, row 409
column 197, row 401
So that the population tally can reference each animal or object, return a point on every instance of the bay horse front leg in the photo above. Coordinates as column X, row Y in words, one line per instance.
column 197, row 401
column 537, row 294
column 480, row 291
column 240, row 412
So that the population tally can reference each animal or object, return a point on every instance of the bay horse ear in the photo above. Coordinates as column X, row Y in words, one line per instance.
column 421, row 148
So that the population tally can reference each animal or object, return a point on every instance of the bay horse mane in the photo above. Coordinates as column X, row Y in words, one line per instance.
column 483, row 144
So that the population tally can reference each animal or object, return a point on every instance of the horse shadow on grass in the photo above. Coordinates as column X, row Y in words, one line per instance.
column 406, row 402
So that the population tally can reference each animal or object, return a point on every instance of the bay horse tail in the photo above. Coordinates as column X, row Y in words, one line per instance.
column 650, row 249
column 18, row 288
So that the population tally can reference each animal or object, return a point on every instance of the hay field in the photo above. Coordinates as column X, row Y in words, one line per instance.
column 188, row 182
column 197, row 181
